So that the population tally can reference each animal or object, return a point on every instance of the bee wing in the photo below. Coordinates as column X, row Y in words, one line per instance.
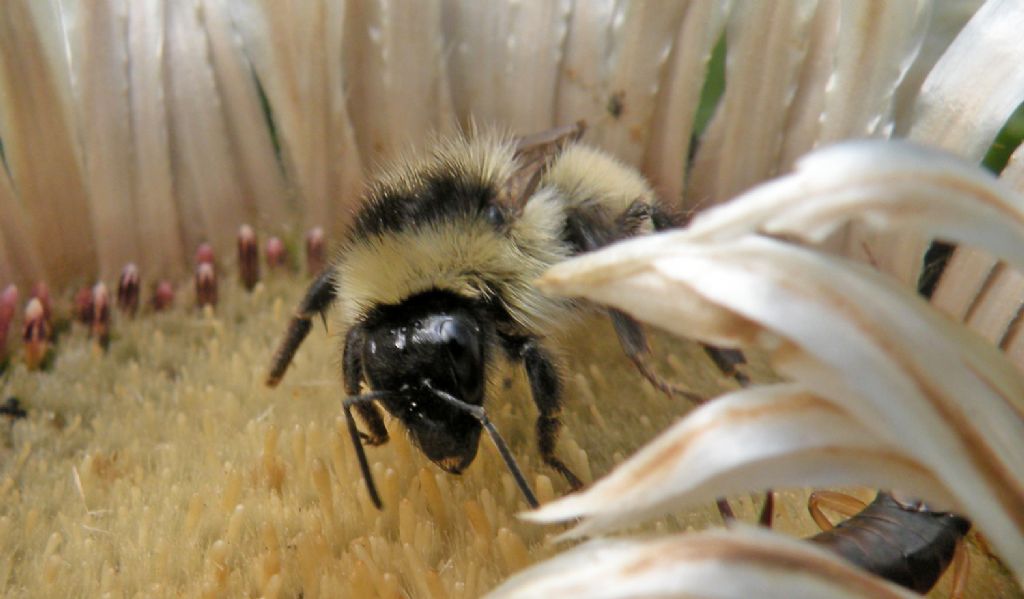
column 534, row 153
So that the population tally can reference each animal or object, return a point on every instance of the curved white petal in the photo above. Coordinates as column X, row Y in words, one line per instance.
column 914, row 378
column 748, row 440
column 885, row 185
column 721, row 564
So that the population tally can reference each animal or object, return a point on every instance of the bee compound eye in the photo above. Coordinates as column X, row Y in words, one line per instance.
column 495, row 215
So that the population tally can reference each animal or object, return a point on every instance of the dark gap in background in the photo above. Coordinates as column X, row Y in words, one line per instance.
column 937, row 257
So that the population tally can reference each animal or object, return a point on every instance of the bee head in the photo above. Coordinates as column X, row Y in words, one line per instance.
column 429, row 343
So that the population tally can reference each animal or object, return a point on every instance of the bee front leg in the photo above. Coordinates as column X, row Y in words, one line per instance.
column 352, row 371
column 546, row 389
column 319, row 296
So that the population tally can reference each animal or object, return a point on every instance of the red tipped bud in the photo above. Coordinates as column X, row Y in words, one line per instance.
column 206, row 285
column 8, row 307
column 99, row 324
column 204, row 254
column 315, row 250
column 248, row 257
column 36, row 334
column 276, row 254
column 163, row 296
column 128, row 290
column 83, row 306
column 41, row 291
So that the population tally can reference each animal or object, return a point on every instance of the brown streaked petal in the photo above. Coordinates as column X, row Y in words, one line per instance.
column 738, row 563
column 884, row 185
column 775, row 435
column 914, row 378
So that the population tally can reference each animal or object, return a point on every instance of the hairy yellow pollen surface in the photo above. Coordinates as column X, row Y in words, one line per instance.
column 165, row 468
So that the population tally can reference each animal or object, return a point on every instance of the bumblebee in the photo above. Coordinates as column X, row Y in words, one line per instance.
column 435, row 278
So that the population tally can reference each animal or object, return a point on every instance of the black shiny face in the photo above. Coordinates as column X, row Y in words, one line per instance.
column 430, row 342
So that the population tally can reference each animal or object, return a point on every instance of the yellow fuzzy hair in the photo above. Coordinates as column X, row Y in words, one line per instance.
column 467, row 255
column 583, row 173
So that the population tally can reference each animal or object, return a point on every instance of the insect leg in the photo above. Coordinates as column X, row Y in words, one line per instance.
column 352, row 372
column 634, row 343
column 767, row 508
column 589, row 227
column 837, row 502
column 546, row 389
column 319, row 296
column 364, row 466
column 725, row 509
column 726, row 360
column 480, row 414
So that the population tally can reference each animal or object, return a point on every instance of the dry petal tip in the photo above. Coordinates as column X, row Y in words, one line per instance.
column 315, row 250
column 248, row 257
column 128, row 289
column 35, row 334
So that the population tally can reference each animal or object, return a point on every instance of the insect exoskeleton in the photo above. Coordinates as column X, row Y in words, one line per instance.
column 435, row 279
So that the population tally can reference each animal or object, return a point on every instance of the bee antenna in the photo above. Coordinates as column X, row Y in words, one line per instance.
column 357, row 441
column 480, row 414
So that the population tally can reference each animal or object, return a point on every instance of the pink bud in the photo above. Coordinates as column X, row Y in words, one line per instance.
column 315, row 251
column 248, row 257
column 276, row 254
column 163, row 296
column 204, row 254
column 128, row 290
column 35, row 334
column 83, row 305
column 206, row 285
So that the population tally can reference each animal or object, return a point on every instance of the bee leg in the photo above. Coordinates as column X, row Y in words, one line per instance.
column 319, row 296
column 364, row 465
column 546, row 389
column 634, row 343
column 726, row 360
column 837, row 502
column 352, row 371
column 588, row 228
column 725, row 509
column 766, row 509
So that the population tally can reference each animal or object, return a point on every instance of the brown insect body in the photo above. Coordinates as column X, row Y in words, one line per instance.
column 906, row 544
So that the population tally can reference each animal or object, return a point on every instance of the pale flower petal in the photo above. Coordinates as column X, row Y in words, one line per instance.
column 915, row 379
column 721, row 564
column 748, row 440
